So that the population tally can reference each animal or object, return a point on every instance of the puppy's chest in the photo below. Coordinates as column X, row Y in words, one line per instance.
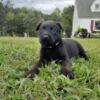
column 52, row 54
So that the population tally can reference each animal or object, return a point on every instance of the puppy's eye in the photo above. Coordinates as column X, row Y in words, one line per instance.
column 44, row 27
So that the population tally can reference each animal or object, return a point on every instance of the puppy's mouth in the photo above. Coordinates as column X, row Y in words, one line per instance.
column 49, row 43
column 46, row 42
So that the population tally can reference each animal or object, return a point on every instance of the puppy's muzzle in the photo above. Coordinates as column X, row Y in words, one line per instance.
column 45, row 37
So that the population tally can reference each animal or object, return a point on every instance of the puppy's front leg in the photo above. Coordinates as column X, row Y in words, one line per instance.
column 65, row 70
column 34, row 70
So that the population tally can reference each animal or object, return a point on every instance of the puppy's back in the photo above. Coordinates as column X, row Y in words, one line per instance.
column 71, row 47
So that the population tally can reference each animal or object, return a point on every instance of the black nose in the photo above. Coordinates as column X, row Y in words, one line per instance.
column 45, row 37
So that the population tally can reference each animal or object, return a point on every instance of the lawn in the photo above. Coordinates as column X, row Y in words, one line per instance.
column 19, row 54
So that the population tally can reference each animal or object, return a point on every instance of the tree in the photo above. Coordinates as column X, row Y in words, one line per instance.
column 30, row 21
column 5, row 7
column 2, row 17
column 55, row 15
column 67, row 16
column 22, row 20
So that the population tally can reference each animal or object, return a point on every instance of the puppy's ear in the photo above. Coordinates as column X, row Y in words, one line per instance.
column 59, row 25
column 38, row 26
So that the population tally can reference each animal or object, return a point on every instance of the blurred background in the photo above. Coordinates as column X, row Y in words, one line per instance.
column 20, row 17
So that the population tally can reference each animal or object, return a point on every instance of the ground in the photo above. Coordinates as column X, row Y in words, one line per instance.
column 19, row 54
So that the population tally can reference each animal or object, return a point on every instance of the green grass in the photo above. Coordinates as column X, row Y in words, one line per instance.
column 19, row 54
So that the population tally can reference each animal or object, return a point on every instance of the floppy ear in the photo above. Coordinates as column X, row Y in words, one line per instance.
column 38, row 26
column 59, row 25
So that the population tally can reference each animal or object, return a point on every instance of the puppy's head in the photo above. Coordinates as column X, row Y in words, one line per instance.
column 49, row 33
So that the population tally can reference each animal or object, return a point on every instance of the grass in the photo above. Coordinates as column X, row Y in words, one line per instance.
column 19, row 54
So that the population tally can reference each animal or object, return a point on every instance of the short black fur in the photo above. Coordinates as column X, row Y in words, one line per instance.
column 53, row 48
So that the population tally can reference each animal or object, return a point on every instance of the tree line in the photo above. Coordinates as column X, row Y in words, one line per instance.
column 18, row 21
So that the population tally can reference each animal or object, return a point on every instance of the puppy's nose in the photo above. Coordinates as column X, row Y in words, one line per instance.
column 45, row 37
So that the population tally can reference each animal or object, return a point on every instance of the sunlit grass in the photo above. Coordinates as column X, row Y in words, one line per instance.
column 19, row 54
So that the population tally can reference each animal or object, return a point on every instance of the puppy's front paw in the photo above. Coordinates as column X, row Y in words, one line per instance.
column 30, row 74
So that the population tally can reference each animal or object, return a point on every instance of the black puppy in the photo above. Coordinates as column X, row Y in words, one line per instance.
column 53, row 48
